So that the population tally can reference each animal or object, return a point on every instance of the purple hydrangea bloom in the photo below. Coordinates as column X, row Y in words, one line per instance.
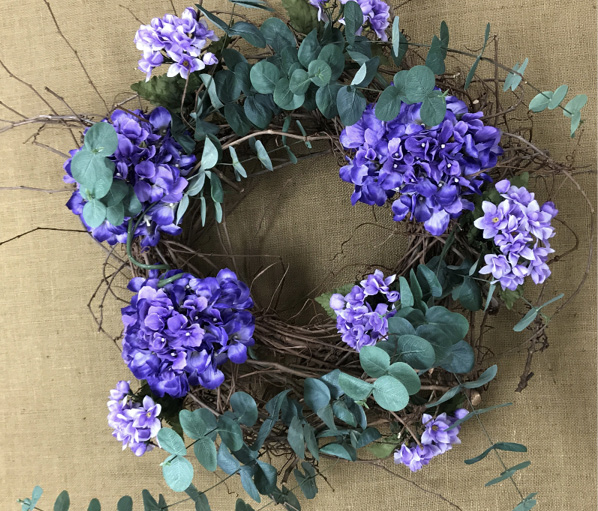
column 427, row 172
column 520, row 229
column 375, row 15
column 358, row 321
column 436, row 439
column 151, row 161
column 134, row 424
column 180, row 40
column 179, row 335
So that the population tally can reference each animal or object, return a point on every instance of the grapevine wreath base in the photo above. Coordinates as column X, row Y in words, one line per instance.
column 297, row 357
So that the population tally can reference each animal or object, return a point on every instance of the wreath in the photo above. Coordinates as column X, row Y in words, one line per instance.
column 391, row 364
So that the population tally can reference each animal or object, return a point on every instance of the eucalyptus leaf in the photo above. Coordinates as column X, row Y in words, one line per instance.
column 375, row 361
column 540, row 101
column 502, row 446
column 306, row 481
column 285, row 98
column 419, row 84
column 338, row 450
column 230, row 432
column 315, row 393
column 63, row 501
column 508, row 473
column 319, row 72
column 355, row 388
column 94, row 213
column 390, row 393
column 388, row 104
column 485, row 378
column 236, row 118
column 474, row 413
column 350, row 104
column 171, row 442
column 406, row 375
column 124, row 504
column 93, row 171
column 416, row 351
column 226, row 461
column 557, row 97
column 326, row 99
column 178, row 473
column 277, row 34
column 265, row 477
column 264, row 76
column 433, row 109
column 245, row 408
column 353, row 20
column 205, row 452
column 101, row 139
column 249, row 32
column 309, row 48
column 248, row 484
column 199, row 498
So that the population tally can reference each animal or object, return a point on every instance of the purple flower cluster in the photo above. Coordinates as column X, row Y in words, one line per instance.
column 178, row 335
column 358, row 321
column 150, row 160
column 435, row 440
column 181, row 40
column 520, row 229
column 431, row 169
column 134, row 424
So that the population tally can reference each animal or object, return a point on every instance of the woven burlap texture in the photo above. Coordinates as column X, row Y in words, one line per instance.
column 57, row 369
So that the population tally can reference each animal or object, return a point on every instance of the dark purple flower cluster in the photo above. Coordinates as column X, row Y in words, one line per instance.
column 152, row 161
column 375, row 15
column 181, row 40
column 435, row 440
column 178, row 335
column 520, row 229
column 431, row 169
column 357, row 321
column 134, row 424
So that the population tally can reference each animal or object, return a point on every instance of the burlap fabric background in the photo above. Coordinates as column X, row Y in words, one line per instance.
column 57, row 370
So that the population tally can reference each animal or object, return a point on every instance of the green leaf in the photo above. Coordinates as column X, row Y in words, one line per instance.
column 232, row 58
column 491, row 290
column 405, row 292
column 249, row 32
column 460, row 359
column 171, row 442
column 444, row 38
column 244, row 407
column 350, row 104
column 209, row 156
column 396, row 36
column 356, row 389
column 388, row 104
column 416, row 351
column 338, row 450
column 556, row 97
column 248, row 484
column 366, row 72
column 299, row 82
column 315, row 393
column 390, row 393
column 419, row 83
column 216, row 191
column 527, row 503
column 487, row 376
column 242, row 506
column 116, row 214
column 167, row 91
column 228, row 88
column 63, row 502
column 309, row 49
column 310, row 440
column 437, row 337
column 573, row 106
column 342, row 412
column 406, row 375
column 180, row 134
column 368, row 436
column 448, row 395
column 210, row 85
column 149, row 503
column 540, row 101
column 307, row 481
column 132, row 205
column 222, row 25
column 226, row 461
column 253, row 4
column 200, row 499
column 433, row 109
column 326, row 100
column 508, row 473
column 295, row 437
column 454, row 325
column 230, row 432
column 264, row 75
column 469, row 294
column 353, row 20
column 205, row 452
column 101, row 139
column 513, row 80
column 239, row 169
column 273, row 408
column 435, row 58
column 427, row 276
column 303, row 17
column 474, row 67
column 94, row 213
column 265, row 477
column 93, row 171
column 385, row 448
column 526, row 320
column 575, row 122
column 375, row 361
column 257, row 110
column 319, row 72
column 416, row 289
column 284, row 97
column 124, row 504
column 277, row 34
column 36, row 494
column 502, row 446
column 480, row 411
column 118, row 191
column 333, row 55
column 262, row 155
column 236, row 118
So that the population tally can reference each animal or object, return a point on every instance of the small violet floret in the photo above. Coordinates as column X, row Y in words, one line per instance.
column 436, row 439
column 134, row 424
column 520, row 229
column 362, row 314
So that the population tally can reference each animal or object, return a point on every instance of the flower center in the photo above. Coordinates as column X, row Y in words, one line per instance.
column 434, row 428
column 148, row 414
column 495, row 220
column 185, row 63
